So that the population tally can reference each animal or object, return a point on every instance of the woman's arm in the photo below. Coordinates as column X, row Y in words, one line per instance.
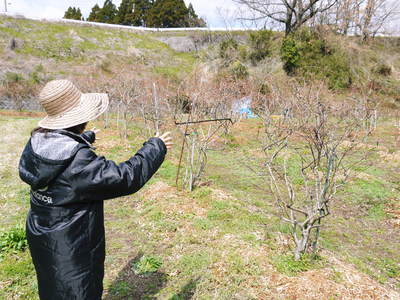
column 95, row 178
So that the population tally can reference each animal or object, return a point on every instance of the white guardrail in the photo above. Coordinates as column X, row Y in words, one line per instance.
column 116, row 26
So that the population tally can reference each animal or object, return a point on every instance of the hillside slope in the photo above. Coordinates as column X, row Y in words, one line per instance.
column 38, row 51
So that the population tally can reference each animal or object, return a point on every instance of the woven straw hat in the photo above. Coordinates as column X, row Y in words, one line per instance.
column 66, row 106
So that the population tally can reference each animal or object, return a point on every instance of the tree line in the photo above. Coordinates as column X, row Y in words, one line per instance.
column 146, row 13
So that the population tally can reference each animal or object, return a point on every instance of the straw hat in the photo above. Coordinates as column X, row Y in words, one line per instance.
column 66, row 106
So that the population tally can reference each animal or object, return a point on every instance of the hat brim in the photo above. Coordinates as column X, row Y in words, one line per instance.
column 91, row 106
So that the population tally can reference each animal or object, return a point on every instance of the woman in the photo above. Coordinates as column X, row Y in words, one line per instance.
column 65, row 225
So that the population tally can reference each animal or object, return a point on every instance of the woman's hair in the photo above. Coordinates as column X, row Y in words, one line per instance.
column 78, row 129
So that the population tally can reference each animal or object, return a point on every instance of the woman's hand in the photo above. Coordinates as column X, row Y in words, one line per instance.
column 95, row 130
column 166, row 138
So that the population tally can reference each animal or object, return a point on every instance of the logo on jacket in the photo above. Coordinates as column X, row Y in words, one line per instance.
column 46, row 199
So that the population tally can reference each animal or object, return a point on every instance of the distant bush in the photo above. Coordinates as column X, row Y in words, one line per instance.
column 260, row 44
column 105, row 66
column 305, row 53
column 38, row 75
column 264, row 88
column 17, row 88
column 290, row 55
column 13, row 240
column 180, row 103
column 35, row 77
column 243, row 52
column 337, row 70
column 228, row 50
column 11, row 77
column 239, row 70
column 383, row 69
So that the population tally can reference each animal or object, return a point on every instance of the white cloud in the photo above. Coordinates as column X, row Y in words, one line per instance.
column 217, row 12
column 56, row 9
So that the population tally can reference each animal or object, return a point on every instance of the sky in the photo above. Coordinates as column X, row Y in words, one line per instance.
column 211, row 11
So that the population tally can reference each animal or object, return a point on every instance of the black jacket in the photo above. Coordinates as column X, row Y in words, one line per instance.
column 65, row 225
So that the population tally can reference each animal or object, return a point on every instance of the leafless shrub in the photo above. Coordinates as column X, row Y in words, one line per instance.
column 133, row 98
column 153, row 106
column 367, row 110
column 307, row 147
column 210, row 117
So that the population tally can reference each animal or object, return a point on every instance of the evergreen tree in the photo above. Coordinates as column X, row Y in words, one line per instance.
column 73, row 13
column 193, row 18
column 168, row 13
column 191, row 12
column 124, row 11
column 68, row 13
column 94, row 14
column 78, row 15
column 108, row 14
column 140, row 12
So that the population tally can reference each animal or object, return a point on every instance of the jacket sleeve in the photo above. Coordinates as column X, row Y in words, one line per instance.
column 95, row 178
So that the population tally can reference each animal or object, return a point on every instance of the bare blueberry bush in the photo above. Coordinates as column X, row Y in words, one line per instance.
column 206, row 116
column 308, row 146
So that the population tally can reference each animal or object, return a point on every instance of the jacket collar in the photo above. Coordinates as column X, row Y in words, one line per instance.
column 75, row 136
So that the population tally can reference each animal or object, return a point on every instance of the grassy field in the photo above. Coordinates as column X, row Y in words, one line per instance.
column 224, row 240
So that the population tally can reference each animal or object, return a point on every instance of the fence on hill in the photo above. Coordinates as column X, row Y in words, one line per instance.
column 136, row 28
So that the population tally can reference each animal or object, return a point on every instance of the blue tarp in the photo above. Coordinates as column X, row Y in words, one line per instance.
column 243, row 107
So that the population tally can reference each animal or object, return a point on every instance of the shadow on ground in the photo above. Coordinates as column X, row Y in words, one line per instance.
column 131, row 286
column 187, row 291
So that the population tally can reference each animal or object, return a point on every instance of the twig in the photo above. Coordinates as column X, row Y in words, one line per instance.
column 203, row 121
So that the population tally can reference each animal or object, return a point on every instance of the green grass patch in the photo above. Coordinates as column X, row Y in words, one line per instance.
column 286, row 264
column 203, row 224
column 120, row 289
column 13, row 240
column 168, row 172
column 369, row 192
column 390, row 267
column 194, row 263
column 18, row 277
column 202, row 193
column 150, row 44
column 380, row 268
column 377, row 212
column 168, row 71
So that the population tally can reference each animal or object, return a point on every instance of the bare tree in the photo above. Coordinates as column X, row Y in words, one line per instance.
column 365, row 18
column 291, row 13
column 374, row 15
column 346, row 15
column 307, row 144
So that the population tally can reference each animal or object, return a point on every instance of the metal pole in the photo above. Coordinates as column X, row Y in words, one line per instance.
column 5, row 5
